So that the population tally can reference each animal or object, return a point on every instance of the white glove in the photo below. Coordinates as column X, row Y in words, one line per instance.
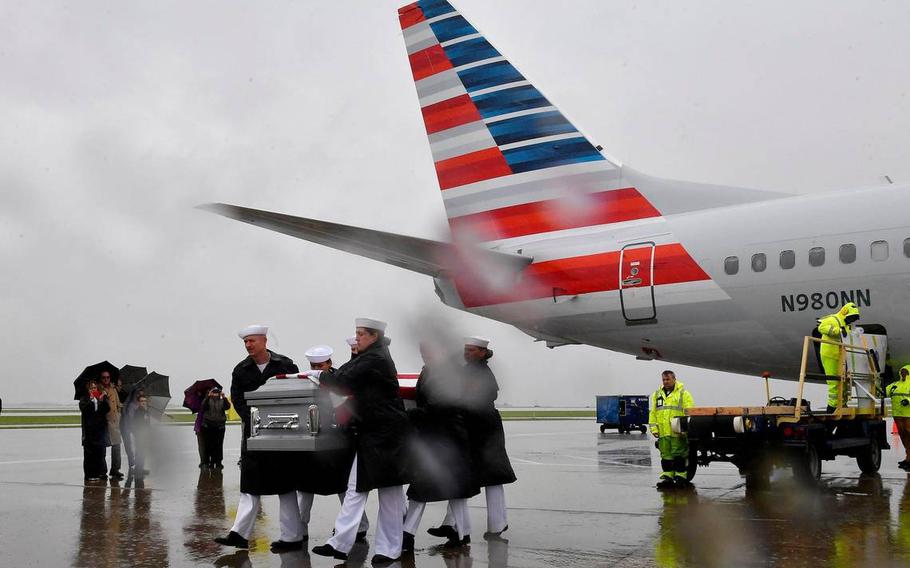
column 312, row 374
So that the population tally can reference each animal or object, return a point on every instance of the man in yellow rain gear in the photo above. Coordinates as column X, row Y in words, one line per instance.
column 668, row 402
column 836, row 327
column 899, row 391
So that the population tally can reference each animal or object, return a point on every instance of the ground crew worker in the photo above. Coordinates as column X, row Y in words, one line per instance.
column 834, row 328
column 899, row 391
column 668, row 402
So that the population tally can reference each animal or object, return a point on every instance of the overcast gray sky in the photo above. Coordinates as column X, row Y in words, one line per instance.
column 117, row 118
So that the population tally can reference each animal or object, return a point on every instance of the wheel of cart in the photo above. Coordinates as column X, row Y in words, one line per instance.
column 807, row 465
column 603, row 428
column 869, row 459
column 643, row 429
column 692, row 464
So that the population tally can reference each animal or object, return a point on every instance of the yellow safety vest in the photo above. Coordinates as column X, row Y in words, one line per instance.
column 900, row 391
column 665, row 407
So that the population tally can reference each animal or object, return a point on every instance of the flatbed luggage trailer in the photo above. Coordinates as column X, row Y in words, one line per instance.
column 788, row 433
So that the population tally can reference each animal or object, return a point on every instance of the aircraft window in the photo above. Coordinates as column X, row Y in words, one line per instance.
column 816, row 256
column 788, row 259
column 879, row 250
column 907, row 248
column 731, row 265
column 759, row 262
column 847, row 253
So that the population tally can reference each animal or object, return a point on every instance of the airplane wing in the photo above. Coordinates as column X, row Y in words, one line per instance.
column 411, row 253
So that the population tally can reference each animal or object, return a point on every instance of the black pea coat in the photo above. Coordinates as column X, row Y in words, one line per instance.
column 261, row 473
column 325, row 472
column 246, row 377
column 440, row 450
column 488, row 440
column 379, row 426
column 94, row 422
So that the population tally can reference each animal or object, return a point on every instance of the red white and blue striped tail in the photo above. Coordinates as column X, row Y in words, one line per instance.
column 508, row 162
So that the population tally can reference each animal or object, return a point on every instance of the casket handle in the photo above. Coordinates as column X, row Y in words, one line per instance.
column 282, row 421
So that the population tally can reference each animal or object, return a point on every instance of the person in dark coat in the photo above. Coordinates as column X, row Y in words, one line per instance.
column 491, row 466
column 324, row 472
column 379, row 429
column 140, row 427
column 214, row 418
column 93, row 407
column 261, row 473
column 440, row 449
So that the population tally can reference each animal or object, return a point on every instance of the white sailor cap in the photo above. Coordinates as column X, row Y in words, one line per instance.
column 352, row 341
column 253, row 330
column 476, row 341
column 319, row 353
column 370, row 323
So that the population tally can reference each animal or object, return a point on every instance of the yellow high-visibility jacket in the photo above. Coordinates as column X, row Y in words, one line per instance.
column 665, row 407
column 833, row 327
column 898, row 391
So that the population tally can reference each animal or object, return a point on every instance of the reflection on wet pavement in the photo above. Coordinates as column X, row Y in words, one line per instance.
column 582, row 499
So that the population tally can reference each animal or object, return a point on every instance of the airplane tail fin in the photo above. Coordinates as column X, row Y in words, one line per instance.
column 509, row 163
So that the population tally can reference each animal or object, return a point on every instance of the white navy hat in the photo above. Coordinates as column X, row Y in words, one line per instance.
column 476, row 341
column 319, row 353
column 253, row 330
column 352, row 341
column 370, row 323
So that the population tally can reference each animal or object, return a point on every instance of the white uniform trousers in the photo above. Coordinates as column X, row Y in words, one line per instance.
column 497, row 518
column 389, row 525
column 458, row 509
column 305, row 504
column 288, row 516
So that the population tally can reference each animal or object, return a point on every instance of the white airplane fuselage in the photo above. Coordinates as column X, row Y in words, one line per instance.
column 749, row 322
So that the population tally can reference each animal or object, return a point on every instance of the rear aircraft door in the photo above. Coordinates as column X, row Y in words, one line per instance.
column 636, row 283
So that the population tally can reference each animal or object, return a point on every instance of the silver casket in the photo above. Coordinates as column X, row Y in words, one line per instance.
column 293, row 415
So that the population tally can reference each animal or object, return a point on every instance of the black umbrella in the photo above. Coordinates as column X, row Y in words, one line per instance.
column 131, row 374
column 93, row 372
column 156, row 389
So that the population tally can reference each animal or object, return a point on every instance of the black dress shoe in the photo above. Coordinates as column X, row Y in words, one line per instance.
column 455, row 543
column 233, row 539
column 382, row 559
column 329, row 550
column 489, row 534
column 407, row 542
column 282, row 545
column 443, row 531
column 361, row 536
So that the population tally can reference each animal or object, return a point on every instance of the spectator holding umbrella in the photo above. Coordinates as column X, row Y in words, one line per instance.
column 113, row 421
column 214, row 417
column 193, row 397
column 94, row 407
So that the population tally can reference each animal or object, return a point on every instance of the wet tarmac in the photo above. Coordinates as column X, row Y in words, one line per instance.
column 582, row 499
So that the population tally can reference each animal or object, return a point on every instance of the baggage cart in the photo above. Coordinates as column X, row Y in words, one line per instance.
column 623, row 412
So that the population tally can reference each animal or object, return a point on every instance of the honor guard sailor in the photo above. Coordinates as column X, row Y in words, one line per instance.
column 324, row 472
column 380, row 427
column 261, row 473
column 491, row 466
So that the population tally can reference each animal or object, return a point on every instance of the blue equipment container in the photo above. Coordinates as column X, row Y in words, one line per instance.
column 623, row 412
